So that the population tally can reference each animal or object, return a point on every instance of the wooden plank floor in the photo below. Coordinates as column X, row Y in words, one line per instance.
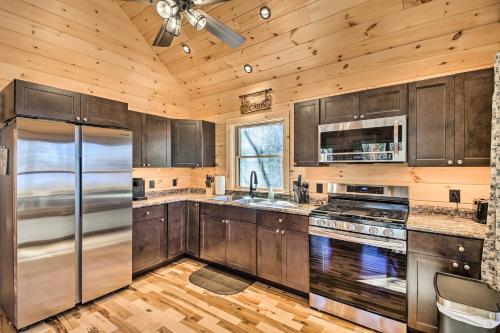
column 165, row 301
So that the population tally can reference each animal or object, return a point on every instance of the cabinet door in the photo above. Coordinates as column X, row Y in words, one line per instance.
column 339, row 109
column 135, row 123
column 295, row 259
column 156, row 138
column 176, row 229
column 431, row 122
column 473, row 98
column 193, row 229
column 422, row 310
column 104, row 112
column 212, row 239
column 306, row 121
column 384, row 102
column 148, row 243
column 208, row 145
column 269, row 262
column 186, row 143
column 241, row 246
column 40, row 101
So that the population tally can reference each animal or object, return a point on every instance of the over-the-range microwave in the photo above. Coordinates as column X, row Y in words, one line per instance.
column 364, row 141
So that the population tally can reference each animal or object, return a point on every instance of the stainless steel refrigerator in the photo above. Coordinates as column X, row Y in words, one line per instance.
column 66, row 216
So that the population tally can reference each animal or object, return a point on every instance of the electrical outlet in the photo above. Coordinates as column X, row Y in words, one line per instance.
column 455, row 196
column 174, row 182
column 151, row 184
column 319, row 188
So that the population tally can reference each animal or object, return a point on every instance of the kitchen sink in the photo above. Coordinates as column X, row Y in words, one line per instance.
column 263, row 202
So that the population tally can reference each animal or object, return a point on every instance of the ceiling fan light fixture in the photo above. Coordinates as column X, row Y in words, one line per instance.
column 174, row 25
column 196, row 18
column 186, row 48
column 248, row 68
column 167, row 8
column 265, row 12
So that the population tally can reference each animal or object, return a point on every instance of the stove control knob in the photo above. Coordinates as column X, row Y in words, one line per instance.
column 388, row 233
column 351, row 227
column 333, row 224
column 373, row 230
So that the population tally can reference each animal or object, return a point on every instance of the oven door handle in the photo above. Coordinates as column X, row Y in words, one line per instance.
column 395, row 245
column 396, row 138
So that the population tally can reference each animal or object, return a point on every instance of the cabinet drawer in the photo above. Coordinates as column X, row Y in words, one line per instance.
column 460, row 248
column 283, row 220
column 147, row 213
column 230, row 213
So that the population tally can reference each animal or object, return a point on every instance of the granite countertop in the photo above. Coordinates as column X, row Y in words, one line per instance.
column 302, row 209
column 445, row 223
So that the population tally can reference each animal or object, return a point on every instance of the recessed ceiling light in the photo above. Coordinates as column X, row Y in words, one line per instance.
column 265, row 12
column 248, row 68
column 186, row 48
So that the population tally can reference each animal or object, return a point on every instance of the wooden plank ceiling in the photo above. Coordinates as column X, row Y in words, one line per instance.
column 310, row 48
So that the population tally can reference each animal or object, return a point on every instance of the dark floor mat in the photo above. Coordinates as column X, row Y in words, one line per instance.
column 219, row 282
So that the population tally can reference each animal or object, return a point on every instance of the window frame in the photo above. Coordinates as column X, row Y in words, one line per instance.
column 238, row 157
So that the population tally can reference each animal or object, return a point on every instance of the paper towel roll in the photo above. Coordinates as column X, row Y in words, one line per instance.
column 220, row 185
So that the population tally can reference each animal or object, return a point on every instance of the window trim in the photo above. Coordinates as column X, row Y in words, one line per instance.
column 237, row 155
column 231, row 132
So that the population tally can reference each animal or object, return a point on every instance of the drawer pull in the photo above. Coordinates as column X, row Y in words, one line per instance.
column 277, row 231
column 455, row 265
column 282, row 232
column 467, row 267
column 461, row 249
column 280, row 220
column 163, row 220
column 148, row 213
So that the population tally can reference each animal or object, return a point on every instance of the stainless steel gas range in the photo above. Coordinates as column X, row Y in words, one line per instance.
column 358, row 255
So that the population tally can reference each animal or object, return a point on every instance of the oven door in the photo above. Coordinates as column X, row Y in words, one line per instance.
column 365, row 272
column 373, row 140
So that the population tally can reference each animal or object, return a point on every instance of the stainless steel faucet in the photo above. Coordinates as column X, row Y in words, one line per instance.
column 253, row 181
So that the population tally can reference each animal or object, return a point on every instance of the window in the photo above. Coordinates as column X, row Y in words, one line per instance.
column 259, row 148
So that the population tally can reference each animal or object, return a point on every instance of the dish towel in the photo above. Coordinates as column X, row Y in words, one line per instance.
column 491, row 251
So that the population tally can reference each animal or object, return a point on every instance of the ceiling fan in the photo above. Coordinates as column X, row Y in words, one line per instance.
column 173, row 11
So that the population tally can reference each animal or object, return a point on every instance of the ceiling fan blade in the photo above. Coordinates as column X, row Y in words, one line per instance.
column 207, row 2
column 223, row 32
column 163, row 38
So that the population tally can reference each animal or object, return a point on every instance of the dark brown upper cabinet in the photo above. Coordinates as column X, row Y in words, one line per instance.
column 157, row 141
column 306, row 121
column 450, row 120
column 473, row 100
column 383, row 102
column 431, row 122
column 103, row 112
column 339, row 109
column 193, row 143
column 21, row 98
column 151, row 145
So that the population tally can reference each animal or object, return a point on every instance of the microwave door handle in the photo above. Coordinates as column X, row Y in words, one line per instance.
column 396, row 138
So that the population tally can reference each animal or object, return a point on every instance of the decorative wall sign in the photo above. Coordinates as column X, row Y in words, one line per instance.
column 255, row 102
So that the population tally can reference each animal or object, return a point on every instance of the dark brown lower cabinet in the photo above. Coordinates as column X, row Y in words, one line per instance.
column 148, row 243
column 193, row 229
column 176, row 242
column 241, row 246
column 212, row 239
column 429, row 254
column 283, row 257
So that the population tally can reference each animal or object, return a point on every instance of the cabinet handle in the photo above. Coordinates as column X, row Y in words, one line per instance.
column 163, row 220
column 467, row 267
column 460, row 162
column 282, row 232
column 362, row 116
column 280, row 220
column 461, row 249
column 277, row 231
column 84, row 119
column 295, row 163
column 455, row 265
column 196, row 204
column 355, row 117
column 148, row 213
column 143, row 164
column 78, row 118
column 149, row 165
column 450, row 162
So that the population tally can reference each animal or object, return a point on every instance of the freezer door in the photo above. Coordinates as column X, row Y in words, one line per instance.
column 45, row 228
column 106, row 222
